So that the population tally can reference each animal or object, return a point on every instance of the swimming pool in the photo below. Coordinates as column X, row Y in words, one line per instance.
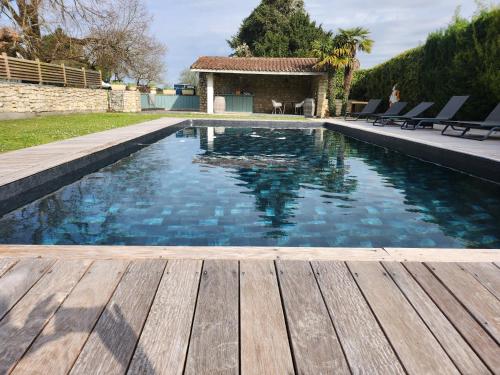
column 264, row 187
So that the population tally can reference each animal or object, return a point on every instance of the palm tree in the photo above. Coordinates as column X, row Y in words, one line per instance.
column 331, row 56
column 353, row 40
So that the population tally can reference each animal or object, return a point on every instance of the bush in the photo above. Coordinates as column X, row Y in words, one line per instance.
column 463, row 59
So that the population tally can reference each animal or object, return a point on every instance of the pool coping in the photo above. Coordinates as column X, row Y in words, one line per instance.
column 386, row 254
column 446, row 155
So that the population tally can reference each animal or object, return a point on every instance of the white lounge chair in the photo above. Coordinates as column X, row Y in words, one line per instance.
column 277, row 107
column 299, row 106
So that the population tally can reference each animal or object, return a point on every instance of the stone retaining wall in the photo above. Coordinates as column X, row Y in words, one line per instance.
column 124, row 101
column 25, row 100
column 32, row 98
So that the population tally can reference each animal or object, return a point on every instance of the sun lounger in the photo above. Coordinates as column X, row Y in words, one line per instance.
column 396, row 119
column 490, row 124
column 393, row 110
column 369, row 109
column 447, row 113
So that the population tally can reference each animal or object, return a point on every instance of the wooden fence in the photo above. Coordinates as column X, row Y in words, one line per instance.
column 14, row 69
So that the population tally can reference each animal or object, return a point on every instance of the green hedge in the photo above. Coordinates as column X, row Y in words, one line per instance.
column 463, row 59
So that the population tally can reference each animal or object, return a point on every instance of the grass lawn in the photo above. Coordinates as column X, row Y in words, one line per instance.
column 16, row 134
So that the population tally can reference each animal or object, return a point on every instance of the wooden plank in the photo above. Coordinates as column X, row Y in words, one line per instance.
column 365, row 345
column 452, row 342
column 6, row 264
column 226, row 252
column 414, row 344
column 475, row 297
column 214, row 344
column 19, row 279
column 164, row 341
column 113, row 340
column 443, row 255
column 486, row 273
column 194, row 252
column 56, row 348
column 482, row 343
column 316, row 348
column 264, row 340
column 25, row 321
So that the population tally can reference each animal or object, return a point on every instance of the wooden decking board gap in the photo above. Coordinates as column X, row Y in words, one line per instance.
column 44, row 268
column 353, row 274
column 490, row 329
column 418, row 348
column 62, row 337
column 489, row 354
column 294, row 362
column 462, row 358
column 145, row 320
column 417, row 312
column 49, row 317
column 6, row 264
column 112, row 342
column 485, row 280
column 331, row 318
column 193, row 317
column 318, row 347
column 99, row 317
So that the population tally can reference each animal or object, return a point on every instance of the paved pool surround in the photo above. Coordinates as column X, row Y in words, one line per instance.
column 19, row 187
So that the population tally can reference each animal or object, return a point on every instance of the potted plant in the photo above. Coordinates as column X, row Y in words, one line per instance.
column 118, row 85
column 131, row 87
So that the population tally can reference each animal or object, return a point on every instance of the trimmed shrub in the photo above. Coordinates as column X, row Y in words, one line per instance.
column 463, row 59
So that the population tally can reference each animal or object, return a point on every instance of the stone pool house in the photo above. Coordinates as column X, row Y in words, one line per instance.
column 249, row 84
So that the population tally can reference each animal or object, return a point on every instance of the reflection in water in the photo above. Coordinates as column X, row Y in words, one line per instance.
column 244, row 186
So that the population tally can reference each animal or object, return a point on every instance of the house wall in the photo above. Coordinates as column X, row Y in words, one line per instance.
column 265, row 88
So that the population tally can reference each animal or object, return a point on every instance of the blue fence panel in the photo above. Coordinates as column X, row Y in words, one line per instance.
column 171, row 102
column 239, row 103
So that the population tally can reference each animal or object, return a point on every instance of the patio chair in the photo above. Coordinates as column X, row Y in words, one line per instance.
column 491, row 124
column 396, row 119
column 277, row 107
column 395, row 110
column 369, row 109
column 447, row 113
column 299, row 107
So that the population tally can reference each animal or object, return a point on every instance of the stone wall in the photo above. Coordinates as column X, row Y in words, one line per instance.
column 124, row 101
column 321, row 86
column 31, row 98
column 202, row 91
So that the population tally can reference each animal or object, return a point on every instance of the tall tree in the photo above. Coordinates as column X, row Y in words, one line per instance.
column 353, row 40
column 276, row 28
column 331, row 56
column 34, row 18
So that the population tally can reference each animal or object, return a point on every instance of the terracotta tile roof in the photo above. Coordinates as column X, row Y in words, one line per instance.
column 257, row 64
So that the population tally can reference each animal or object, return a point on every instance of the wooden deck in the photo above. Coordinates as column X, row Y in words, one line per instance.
column 87, row 315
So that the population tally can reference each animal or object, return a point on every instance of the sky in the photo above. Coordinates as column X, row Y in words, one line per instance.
column 192, row 28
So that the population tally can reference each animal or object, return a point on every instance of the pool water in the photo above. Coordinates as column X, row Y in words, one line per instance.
column 265, row 187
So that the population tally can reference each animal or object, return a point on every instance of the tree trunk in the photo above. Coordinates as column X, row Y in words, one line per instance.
column 330, row 92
